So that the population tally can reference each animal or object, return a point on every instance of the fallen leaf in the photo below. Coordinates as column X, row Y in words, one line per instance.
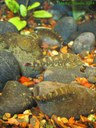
column 37, row 123
column 24, row 79
column 64, row 49
column 23, row 124
column 71, row 120
column 83, row 81
column 12, row 121
column 28, row 84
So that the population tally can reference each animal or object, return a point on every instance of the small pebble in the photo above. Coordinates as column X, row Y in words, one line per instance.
column 54, row 52
column 6, row 116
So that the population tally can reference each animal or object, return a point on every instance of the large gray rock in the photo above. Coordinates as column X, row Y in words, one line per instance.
column 65, row 100
column 90, row 74
column 15, row 98
column 65, row 27
column 9, row 67
column 60, row 10
column 7, row 27
column 88, row 26
column 84, row 42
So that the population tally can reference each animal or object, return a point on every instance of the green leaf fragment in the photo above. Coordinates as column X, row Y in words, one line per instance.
column 42, row 14
column 34, row 5
column 18, row 23
column 12, row 5
column 23, row 10
column 91, row 117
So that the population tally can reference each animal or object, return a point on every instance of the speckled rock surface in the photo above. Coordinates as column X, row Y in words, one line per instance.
column 65, row 100
column 26, row 49
column 65, row 27
column 15, row 98
column 84, row 42
column 7, row 27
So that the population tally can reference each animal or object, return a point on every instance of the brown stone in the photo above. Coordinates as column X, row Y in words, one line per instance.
column 65, row 99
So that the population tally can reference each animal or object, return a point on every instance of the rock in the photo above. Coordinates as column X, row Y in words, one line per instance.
column 88, row 26
column 6, row 27
column 15, row 98
column 84, row 42
column 74, row 35
column 65, row 100
column 1, row 86
column 59, row 10
column 90, row 74
column 56, row 15
column 63, row 75
column 63, row 9
column 65, row 27
column 9, row 67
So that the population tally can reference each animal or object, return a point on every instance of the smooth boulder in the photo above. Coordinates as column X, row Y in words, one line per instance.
column 6, row 27
column 65, row 27
column 15, row 98
column 9, row 67
column 84, row 42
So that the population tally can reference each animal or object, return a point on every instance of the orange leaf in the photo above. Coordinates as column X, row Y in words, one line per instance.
column 83, row 81
column 64, row 49
column 13, row 121
column 37, row 123
column 84, row 119
column 89, row 60
column 71, row 120
column 30, row 83
column 23, row 124
column 64, row 120
column 21, row 116
column 24, row 79
column 88, row 85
